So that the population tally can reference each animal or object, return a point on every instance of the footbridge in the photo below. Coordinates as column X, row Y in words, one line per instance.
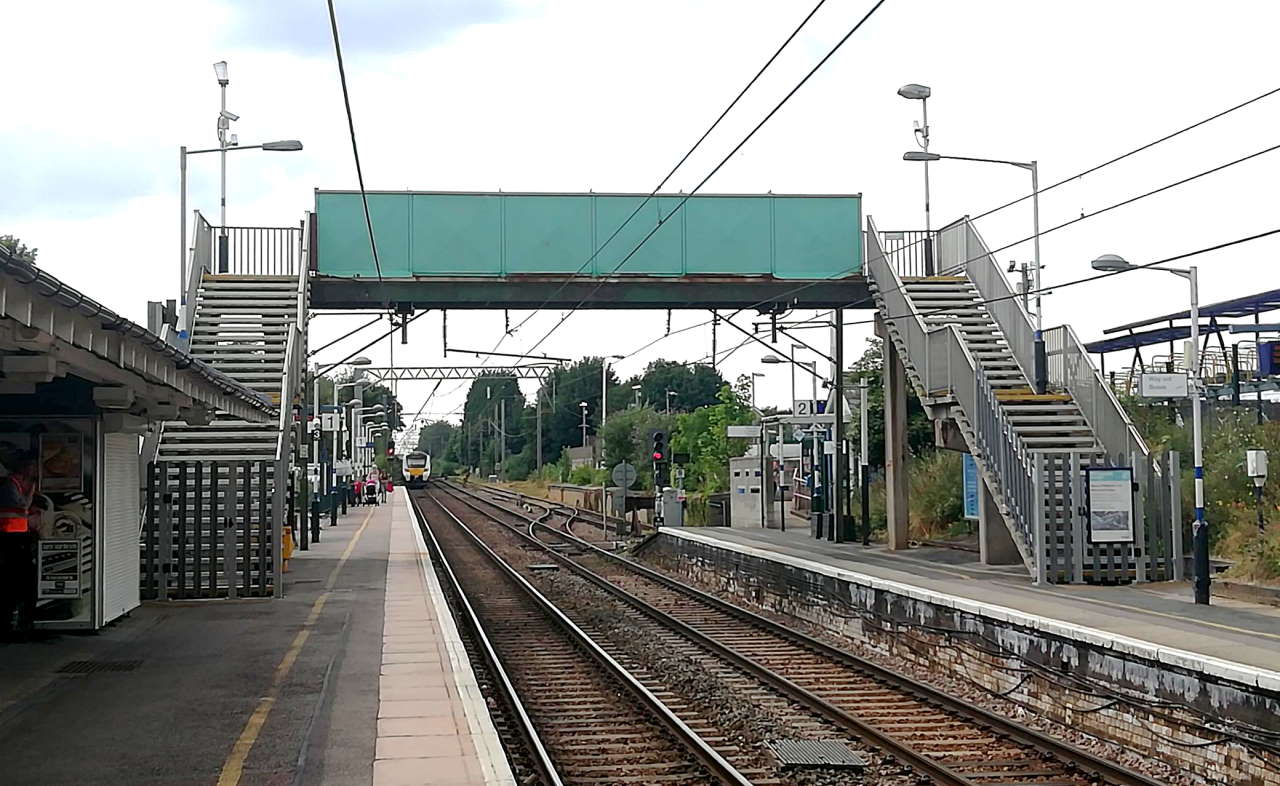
column 956, row 335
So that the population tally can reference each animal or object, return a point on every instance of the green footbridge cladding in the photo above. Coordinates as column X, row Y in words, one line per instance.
column 438, row 234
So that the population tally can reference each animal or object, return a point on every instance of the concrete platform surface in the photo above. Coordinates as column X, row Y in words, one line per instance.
column 1232, row 639
column 356, row 676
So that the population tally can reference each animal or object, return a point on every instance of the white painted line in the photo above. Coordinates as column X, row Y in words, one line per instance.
column 497, row 771
column 1185, row 659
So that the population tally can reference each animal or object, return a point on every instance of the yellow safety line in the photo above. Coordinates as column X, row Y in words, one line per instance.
column 233, row 767
column 1178, row 617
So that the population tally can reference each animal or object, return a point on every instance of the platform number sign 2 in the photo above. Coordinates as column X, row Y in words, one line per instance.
column 805, row 407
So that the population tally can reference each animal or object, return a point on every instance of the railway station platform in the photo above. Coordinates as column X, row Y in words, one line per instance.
column 1139, row 665
column 1231, row 639
column 356, row 676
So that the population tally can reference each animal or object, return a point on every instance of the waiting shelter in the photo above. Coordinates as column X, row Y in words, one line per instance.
column 79, row 387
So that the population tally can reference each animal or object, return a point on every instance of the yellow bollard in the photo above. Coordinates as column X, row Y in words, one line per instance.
column 288, row 548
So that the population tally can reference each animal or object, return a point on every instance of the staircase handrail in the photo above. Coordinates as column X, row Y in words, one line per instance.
column 961, row 247
column 1067, row 361
column 201, row 261
column 1011, row 466
column 288, row 383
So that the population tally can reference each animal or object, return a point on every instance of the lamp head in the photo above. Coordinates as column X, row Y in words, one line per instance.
column 220, row 71
column 283, row 145
column 1013, row 266
column 920, row 155
column 362, row 360
column 1110, row 263
column 772, row 360
column 915, row 92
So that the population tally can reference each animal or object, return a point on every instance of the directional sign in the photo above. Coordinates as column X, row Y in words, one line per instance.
column 624, row 475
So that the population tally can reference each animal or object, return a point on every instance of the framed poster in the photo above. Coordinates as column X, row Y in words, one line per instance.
column 59, row 565
column 61, row 462
column 1110, row 492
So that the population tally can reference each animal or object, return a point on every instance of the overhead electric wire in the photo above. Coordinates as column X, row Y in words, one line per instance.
column 351, row 127
column 390, row 332
column 686, row 197
column 688, row 153
column 1085, row 216
column 346, row 335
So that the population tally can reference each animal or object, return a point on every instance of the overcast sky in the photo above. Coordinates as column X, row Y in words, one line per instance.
column 606, row 95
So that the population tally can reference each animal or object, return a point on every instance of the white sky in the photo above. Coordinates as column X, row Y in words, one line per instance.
column 568, row 95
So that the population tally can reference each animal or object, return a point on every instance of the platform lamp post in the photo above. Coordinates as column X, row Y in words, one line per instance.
column 358, row 416
column 670, row 394
column 1041, row 367
column 335, row 495
column 635, row 391
column 582, row 405
column 604, row 389
column 1111, row 263
column 227, row 142
column 921, row 93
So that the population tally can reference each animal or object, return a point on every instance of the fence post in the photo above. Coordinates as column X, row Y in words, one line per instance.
column 165, row 543
column 1037, row 507
column 229, row 532
column 278, row 524
column 1077, row 520
column 1174, row 490
column 1141, row 469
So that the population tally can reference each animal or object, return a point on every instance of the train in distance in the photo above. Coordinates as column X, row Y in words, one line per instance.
column 416, row 469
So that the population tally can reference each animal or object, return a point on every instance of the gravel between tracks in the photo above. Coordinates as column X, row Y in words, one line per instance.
column 718, row 696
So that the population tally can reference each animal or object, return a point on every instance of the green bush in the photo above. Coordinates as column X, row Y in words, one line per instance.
column 935, row 497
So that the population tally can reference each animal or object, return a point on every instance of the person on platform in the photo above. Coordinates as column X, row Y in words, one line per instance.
column 17, row 546
column 359, row 486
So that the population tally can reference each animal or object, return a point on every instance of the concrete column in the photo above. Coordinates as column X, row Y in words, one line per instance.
column 995, row 542
column 895, row 446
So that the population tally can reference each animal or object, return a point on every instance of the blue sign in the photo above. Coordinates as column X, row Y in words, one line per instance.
column 970, row 482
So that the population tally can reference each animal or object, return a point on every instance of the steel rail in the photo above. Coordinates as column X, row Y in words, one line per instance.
column 937, row 772
column 716, row 765
column 1064, row 751
column 542, row 758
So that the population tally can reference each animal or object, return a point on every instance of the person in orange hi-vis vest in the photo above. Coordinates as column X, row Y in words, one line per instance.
column 17, row 544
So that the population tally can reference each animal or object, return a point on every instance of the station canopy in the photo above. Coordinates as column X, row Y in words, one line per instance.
column 1246, row 306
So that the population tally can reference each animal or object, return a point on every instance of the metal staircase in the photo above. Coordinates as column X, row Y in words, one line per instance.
column 967, row 346
column 216, row 492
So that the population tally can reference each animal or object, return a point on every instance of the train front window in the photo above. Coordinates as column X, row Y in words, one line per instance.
column 416, row 462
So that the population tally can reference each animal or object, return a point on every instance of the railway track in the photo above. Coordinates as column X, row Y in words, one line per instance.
column 586, row 718
column 944, row 738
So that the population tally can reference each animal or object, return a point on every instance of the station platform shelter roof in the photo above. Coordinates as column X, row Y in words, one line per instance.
column 50, row 331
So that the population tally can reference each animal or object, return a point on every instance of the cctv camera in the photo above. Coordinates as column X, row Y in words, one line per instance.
column 229, row 115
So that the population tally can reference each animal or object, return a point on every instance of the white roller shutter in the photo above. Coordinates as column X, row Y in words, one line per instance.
column 119, row 547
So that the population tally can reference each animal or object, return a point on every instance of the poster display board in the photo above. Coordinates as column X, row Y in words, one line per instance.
column 1110, row 492
column 59, row 569
column 970, row 481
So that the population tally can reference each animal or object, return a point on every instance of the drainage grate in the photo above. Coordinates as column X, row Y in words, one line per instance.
column 95, row 666
column 815, row 753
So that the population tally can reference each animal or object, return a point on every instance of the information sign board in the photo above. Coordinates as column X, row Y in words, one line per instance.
column 969, row 469
column 1110, row 492
column 1153, row 385
column 59, row 569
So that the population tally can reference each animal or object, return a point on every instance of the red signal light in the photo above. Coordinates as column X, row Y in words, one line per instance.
column 657, row 456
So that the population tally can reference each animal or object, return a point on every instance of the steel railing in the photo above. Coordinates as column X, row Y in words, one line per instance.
column 1008, row 462
column 258, row 251
column 910, row 252
column 1002, row 303
column 1071, row 369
